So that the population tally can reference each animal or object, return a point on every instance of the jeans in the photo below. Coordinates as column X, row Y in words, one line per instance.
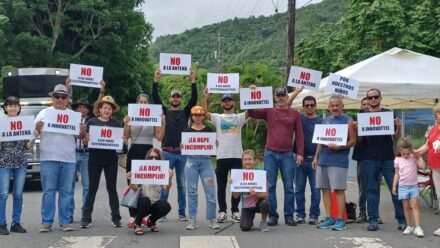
column 56, row 176
column 372, row 170
column 224, row 166
column 18, row 176
column 177, row 162
column 82, row 160
column 301, row 174
column 362, row 184
column 283, row 161
column 200, row 166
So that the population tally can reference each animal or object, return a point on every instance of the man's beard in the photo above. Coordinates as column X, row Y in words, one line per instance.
column 227, row 109
column 175, row 104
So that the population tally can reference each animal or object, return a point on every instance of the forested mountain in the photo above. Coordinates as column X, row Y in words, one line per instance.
column 261, row 39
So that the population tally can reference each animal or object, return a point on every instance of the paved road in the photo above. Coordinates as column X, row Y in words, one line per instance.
column 173, row 234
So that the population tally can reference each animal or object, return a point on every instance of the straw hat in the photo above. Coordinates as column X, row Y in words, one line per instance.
column 106, row 99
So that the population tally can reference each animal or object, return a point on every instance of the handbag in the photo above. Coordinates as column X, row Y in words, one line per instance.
column 130, row 197
column 123, row 160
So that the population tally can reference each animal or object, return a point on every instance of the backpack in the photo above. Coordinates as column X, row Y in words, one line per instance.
column 351, row 210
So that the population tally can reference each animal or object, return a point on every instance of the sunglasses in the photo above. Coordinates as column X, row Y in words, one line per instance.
column 373, row 97
column 198, row 115
column 153, row 158
column 64, row 97
column 309, row 105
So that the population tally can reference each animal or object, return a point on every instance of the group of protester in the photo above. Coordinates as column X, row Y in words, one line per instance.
column 288, row 150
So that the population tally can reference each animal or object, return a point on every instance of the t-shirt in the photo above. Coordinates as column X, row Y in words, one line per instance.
column 433, row 156
column 248, row 201
column 407, row 170
column 282, row 125
column 56, row 146
column 228, row 128
column 308, row 126
column 152, row 191
column 12, row 154
column 102, row 156
column 142, row 135
column 330, row 158
column 205, row 129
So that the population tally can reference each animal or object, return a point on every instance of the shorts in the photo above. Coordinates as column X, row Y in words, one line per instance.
column 331, row 178
column 405, row 192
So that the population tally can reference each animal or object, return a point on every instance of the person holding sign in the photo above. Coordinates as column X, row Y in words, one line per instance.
column 141, row 142
column 229, row 150
column 252, row 202
column 200, row 166
column 176, row 121
column 102, row 159
column 58, row 163
column 379, row 158
column 13, row 165
column 331, row 164
column 283, row 123
column 150, row 206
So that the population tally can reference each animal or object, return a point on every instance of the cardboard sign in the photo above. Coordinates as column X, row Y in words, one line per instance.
column 199, row 143
column 308, row 78
column 104, row 137
column 327, row 134
column 150, row 172
column 375, row 123
column 223, row 83
column 243, row 180
column 177, row 64
column 17, row 128
column 60, row 121
column 259, row 98
column 343, row 86
column 86, row 75
column 145, row 114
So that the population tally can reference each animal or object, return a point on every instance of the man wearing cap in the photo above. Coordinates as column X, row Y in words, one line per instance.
column 229, row 149
column 58, row 165
column 283, row 123
column 176, row 121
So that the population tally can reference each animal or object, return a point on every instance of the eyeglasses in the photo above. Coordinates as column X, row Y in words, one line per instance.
column 198, row 115
column 309, row 105
column 58, row 97
column 373, row 97
column 153, row 158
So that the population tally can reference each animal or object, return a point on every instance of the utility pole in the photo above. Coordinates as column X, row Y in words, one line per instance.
column 291, row 9
column 218, row 54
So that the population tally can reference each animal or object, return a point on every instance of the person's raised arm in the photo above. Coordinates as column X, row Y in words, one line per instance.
column 193, row 101
column 155, row 90
column 205, row 103
column 101, row 90
column 293, row 95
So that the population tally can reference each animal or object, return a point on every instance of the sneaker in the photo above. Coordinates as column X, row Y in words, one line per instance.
column 144, row 222
column 222, row 217
column 138, row 230
column 437, row 232
column 362, row 219
column 291, row 222
column 67, row 227
column 373, row 227
column 163, row 219
column 181, row 218
column 379, row 220
column 130, row 223
column 85, row 224
column 272, row 221
column 192, row 225
column 408, row 230
column 327, row 222
column 116, row 223
column 300, row 220
column 339, row 225
column 45, row 228
column 17, row 228
column 418, row 231
column 313, row 221
column 213, row 224
column 4, row 230
column 264, row 227
column 235, row 217
column 401, row 226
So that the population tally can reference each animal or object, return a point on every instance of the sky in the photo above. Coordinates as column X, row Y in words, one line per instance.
column 176, row 16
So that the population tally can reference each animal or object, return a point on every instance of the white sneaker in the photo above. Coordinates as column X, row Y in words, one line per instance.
column 235, row 217
column 419, row 232
column 408, row 230
column 213, row 224
column 192, row 225
column 437, row 232
column 222, row 217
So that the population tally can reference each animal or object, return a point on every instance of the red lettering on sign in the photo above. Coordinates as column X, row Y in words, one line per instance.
column 86, row 71
column 175, row 61
column 248, row 176
column 16, row 125
column 375, row 120
column 223, row 79
column 330, row 132
column 144, row 112
column 255, row 95
column 62, row 118
column 106, row 133
column 304, row 75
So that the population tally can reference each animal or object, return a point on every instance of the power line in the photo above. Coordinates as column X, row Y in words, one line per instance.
column 255, row 6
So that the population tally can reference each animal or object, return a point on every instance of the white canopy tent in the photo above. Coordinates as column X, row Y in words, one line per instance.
column 407, row 80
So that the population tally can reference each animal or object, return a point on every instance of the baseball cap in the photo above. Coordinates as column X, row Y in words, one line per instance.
column 176, row 92
column 227, row 96
column 280, row 91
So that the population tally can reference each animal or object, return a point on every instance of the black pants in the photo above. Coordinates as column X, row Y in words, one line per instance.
column 221, row 172
column 145, row 208
column 136, row 152
column 248, row 214
column 111, row 174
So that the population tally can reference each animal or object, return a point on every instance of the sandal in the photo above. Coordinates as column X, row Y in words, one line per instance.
column 154, row 228
column 138, row 230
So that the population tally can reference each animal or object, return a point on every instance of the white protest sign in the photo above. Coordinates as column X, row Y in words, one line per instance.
column 308, row 78
column 86, row 75
column 199, row 143
column 150, row 172
column 343, row 86
column 330, row 134
column 173, row 63
column 259, row 98
column 61, row 121
column 104, row 137
column 17, row 128
column 375, row 123
column 223, row 83
column 243, row 180
column 145, row 114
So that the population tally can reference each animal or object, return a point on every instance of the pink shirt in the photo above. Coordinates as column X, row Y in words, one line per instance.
column 407, row 170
